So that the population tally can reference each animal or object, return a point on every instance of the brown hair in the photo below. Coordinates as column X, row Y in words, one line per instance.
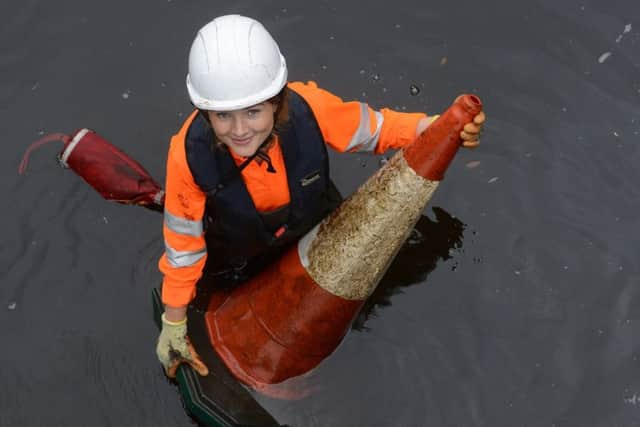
column 281, row 116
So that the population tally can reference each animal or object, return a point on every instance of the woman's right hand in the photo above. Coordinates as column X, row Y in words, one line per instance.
column 470, row 135
column 174, row 347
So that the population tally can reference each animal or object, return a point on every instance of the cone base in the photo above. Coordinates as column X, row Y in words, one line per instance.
column 277, row 326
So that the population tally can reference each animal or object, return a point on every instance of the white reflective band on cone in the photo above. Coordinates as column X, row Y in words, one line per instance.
column 67, row 151
column 158, row 197
column 350, row 250
column 303, row 246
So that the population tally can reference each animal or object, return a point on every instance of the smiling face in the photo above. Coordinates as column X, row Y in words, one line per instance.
column 243, row 131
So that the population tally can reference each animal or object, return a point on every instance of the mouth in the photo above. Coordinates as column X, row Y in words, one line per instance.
column 244, row 141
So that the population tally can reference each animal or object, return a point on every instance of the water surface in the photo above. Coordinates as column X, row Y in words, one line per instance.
column 517, row 300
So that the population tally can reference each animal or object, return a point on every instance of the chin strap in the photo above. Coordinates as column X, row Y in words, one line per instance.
column 264, row 156
column 260, row 154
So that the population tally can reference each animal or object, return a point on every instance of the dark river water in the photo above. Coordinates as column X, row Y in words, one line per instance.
column 516, row 302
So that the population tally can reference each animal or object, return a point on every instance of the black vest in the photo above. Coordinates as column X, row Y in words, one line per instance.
column 240, row 240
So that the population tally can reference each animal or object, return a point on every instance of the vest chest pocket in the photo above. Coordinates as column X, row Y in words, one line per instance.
column 310, row 178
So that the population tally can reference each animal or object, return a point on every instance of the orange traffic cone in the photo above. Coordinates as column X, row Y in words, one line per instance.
column 286, row 320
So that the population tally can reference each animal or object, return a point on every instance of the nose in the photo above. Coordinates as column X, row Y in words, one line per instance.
column 239, row 127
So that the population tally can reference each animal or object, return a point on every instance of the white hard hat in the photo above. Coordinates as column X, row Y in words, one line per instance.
column 234, row 63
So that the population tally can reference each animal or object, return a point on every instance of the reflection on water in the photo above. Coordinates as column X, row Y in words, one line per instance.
column 429, row 242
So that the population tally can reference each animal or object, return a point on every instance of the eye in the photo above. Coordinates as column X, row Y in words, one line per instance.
column 253, row 112
column 222, row 115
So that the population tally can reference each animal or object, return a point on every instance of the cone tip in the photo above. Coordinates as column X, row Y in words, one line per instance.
column 471, row 103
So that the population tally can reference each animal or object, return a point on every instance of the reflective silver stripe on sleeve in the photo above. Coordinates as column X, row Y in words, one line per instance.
column 362, row 139
column 183, row 226
column 183, row 258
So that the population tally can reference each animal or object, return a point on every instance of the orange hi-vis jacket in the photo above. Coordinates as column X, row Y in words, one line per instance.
column 345, row 126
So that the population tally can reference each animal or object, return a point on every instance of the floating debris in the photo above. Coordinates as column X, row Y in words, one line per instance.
column 473, row 164
column 12, row 306
column 492, row 180
column 627, row 28
column 604, row 57
column 615, row 133
column 443, row 61
column 415, row 237
column 375, row 77
column 414, row 90
column 126, row 94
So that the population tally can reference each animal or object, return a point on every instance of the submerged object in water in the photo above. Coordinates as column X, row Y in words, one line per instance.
column 287, row 319
column 107, row 169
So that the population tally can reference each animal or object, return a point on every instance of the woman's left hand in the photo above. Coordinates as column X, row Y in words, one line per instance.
column 471, row 133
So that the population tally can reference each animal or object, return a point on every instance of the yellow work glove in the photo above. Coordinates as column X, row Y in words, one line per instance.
column 175, row 348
